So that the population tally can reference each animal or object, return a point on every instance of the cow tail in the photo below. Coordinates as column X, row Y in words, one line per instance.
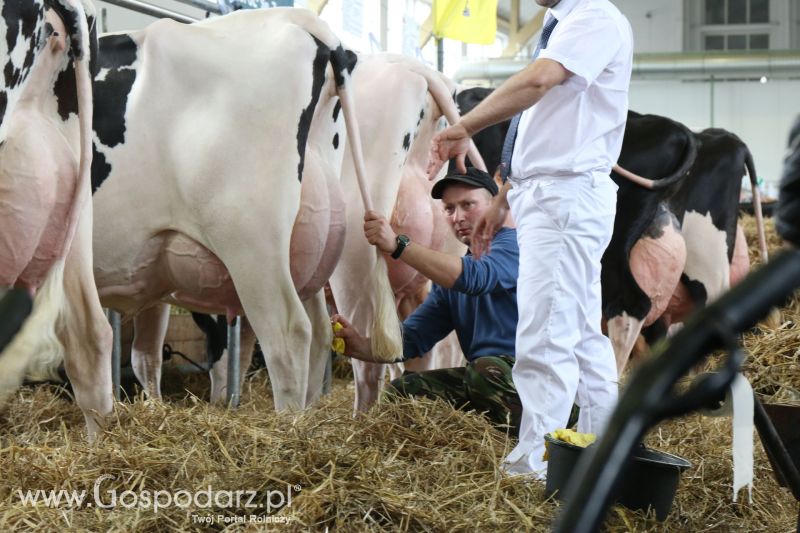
column 386, row 337
column 446, row 102
column 689, row 157
column 35, row 351
column 751, row 172
column 81, row 47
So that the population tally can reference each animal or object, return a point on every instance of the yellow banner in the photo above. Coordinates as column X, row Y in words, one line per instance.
column 469, row 21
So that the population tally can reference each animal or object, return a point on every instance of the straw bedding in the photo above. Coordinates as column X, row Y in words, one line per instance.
column 416, row 465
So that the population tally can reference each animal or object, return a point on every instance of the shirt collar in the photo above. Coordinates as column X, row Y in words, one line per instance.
column 562, row 9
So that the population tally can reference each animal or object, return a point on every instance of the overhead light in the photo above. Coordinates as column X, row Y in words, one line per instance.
column 763, row 79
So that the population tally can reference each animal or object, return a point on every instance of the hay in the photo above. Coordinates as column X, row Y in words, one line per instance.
column 414, row 465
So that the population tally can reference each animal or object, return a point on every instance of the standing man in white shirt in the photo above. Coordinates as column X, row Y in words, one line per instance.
column 573, row 100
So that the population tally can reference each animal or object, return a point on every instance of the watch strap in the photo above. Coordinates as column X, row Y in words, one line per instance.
column 402, row 242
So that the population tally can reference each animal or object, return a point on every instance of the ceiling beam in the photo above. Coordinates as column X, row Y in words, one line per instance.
column 520, row 38
column 317, row 5
column 514, row 20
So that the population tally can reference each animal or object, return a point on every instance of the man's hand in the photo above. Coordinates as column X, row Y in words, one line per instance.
column 488, row 225
column 449, row 143
column 355, row 345
column 379, row 232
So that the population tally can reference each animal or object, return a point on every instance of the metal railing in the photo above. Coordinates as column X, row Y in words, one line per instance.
column 153, row 11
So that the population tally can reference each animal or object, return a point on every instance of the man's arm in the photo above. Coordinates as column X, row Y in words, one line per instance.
column 443, row 269
column 518, row 93
column 427, row 325
column 496, row 270
column 489, row 224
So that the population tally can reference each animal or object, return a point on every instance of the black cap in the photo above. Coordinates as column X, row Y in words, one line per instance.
column 473, row 176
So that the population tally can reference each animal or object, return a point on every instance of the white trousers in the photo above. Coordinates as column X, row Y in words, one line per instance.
column 564, row 225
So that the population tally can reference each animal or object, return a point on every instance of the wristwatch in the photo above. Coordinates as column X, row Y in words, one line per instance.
column 402, row 242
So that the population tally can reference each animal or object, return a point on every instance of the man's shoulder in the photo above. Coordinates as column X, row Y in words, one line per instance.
column 506, row 236
column 598, row 10
column 600, row 7
column 506, row 232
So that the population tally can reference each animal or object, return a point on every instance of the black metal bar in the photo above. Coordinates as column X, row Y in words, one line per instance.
column 588, row 493
column 774, row 445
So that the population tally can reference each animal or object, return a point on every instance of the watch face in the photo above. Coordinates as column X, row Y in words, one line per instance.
column 402, row 242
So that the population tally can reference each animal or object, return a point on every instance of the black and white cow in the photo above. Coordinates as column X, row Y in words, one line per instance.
column 707, row 206
column 787, row 221
column 216, row 174
column 45, row 205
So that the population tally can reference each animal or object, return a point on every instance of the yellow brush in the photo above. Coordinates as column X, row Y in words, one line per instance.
column 338, row 343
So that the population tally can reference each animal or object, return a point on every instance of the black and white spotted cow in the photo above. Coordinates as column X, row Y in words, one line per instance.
column 707, row 206
column 218, row 154
column 400, row 103
column 45, row 205
column 644, row 260
column 787, row 221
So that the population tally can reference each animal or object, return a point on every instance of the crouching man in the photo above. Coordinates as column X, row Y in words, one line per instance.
column 475, row 297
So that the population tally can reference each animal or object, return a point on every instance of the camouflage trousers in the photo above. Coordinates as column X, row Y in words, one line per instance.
column 484, row 385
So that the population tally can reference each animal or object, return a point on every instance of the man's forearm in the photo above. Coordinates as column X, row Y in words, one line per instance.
column 443, row 269
column 502, row 195
column 518, row 93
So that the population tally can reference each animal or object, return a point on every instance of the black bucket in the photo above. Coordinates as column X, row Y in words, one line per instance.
column 650, row 481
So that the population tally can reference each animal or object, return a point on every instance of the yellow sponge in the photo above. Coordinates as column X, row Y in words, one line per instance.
column 338, row 343
column 572, row 437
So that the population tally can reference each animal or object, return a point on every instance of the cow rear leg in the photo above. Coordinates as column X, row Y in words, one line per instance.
column 219, row 370
column 278, row 318
column 369, row 379
column 320, row 349
column 87, row 335
column 150, row 329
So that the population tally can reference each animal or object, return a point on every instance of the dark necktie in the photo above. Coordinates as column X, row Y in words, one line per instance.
column 511, row 135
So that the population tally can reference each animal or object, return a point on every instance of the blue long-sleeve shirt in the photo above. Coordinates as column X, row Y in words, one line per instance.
column 481, row 307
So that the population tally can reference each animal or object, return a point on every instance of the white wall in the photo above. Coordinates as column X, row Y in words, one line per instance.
column 760, row 114
column 657, row 24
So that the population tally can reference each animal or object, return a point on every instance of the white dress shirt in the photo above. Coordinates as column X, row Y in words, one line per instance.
column 577, row 127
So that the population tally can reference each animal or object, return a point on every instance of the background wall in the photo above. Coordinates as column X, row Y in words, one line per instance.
column 657, row 24
column 760, row 114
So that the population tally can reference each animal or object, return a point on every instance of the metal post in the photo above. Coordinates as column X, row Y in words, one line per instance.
column 234, row 371
column 711, row 86
column 440, row 54
column 327, row 379
column 384, row 25
column 153, row 11
column 116, row 351
column 205, row 5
